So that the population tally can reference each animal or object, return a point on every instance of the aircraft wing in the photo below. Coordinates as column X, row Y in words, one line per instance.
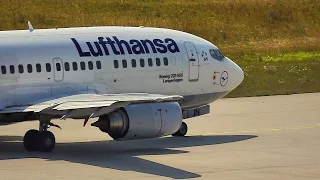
column 89, row 105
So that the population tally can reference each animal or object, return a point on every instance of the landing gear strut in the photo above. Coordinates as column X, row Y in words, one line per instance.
column 42, row 140
column 182, row 131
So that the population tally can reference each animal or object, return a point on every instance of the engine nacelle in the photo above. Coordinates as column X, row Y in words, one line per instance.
column 141, row 121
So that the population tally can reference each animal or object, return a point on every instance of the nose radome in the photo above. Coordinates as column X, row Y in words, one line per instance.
column 237, row 74
column 240, row 74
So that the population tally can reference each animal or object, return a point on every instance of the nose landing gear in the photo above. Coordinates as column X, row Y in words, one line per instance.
column 42, row 140
column 182, row 131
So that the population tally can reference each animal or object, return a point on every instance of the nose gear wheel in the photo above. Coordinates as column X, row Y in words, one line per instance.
column 182, row 130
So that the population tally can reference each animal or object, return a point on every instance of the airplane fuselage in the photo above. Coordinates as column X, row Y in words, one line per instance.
column 56, row 62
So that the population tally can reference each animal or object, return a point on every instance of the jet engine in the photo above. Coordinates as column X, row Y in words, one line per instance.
column 141, row 121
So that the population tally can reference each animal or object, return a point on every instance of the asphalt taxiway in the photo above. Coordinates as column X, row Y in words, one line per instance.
column 275, row 137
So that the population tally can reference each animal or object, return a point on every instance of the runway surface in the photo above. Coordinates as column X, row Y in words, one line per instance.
column 276, row 137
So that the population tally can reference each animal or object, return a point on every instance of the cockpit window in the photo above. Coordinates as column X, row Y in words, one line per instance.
column 219, row 53
column 216, row 54
column 213, row 54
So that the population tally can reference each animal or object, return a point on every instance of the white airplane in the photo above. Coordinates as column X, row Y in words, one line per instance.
column 139, row 82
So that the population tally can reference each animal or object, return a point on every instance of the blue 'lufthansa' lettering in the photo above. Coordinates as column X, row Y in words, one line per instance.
column 104, row 46
column 81, row 53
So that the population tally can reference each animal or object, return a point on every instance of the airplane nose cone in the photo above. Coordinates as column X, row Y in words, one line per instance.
column 240, row 74
column 236, row 74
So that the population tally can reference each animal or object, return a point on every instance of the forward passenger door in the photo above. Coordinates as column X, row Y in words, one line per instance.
column 58, row 70
column 193, row 61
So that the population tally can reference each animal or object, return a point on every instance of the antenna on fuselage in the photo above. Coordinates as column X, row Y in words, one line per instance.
column 30, row 26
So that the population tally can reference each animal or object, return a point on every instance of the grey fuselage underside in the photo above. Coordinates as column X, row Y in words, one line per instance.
column 191, row 101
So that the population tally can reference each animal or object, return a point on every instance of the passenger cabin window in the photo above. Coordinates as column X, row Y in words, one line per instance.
column 124, row 63
column 58, row 66
column 98, row 63
column 12, row 70
column 116, row 64
column 82, row 65
column 38, row 67
column 133, row 63
column 158, row 62
column 75, row 66
column 142, row 62
column 90, row 65
column 3, row 70
column 67, row 66
column 48, row 67
column 20, row 68
column 29, row 68
column 165, row 61
column 150, row 63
